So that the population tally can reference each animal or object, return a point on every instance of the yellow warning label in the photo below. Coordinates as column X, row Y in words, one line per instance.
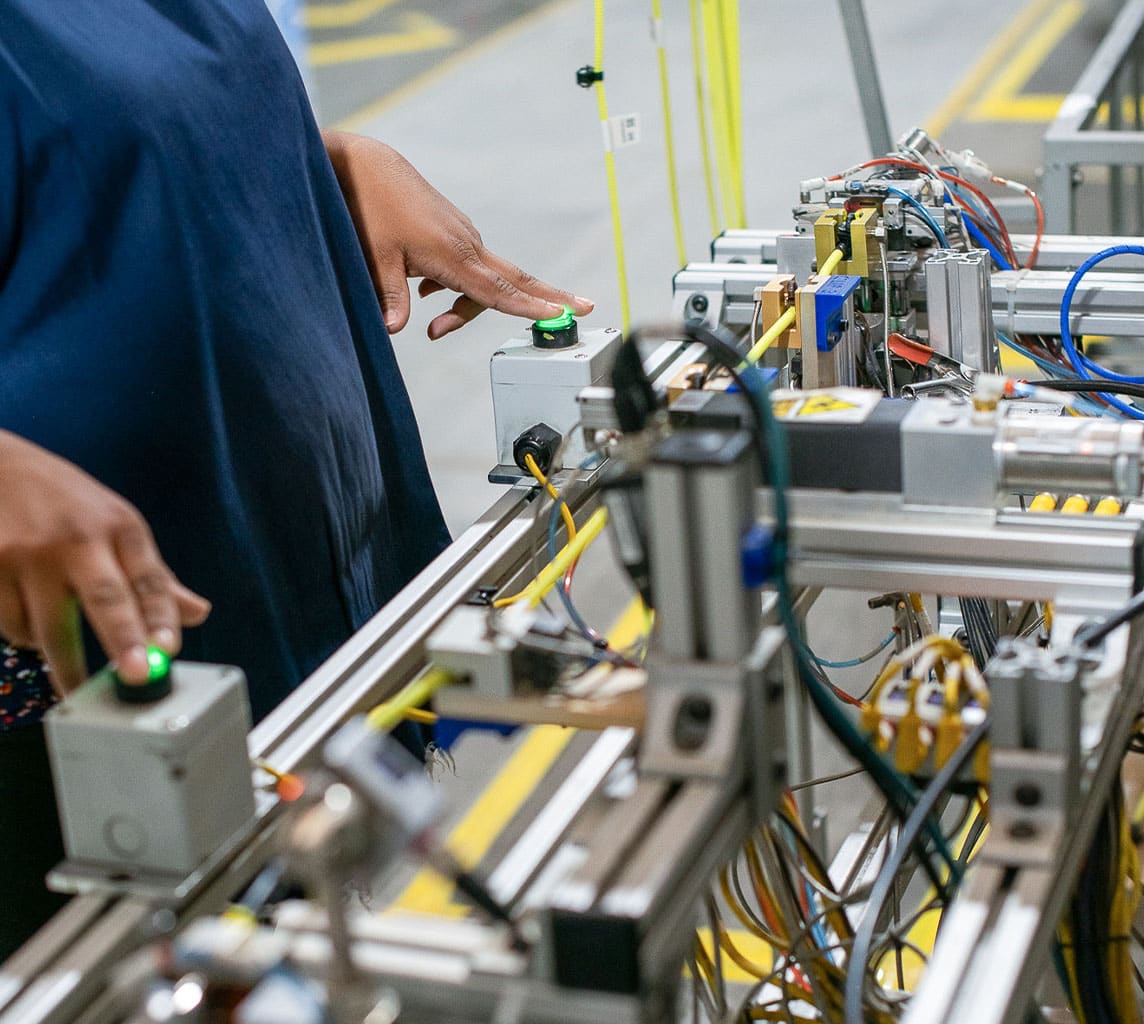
column 816, row 405
column 830, row 405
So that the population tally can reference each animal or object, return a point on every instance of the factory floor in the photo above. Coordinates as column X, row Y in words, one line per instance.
column 481, row 97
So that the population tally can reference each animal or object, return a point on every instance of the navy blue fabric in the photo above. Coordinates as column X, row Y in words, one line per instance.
column 185, row 313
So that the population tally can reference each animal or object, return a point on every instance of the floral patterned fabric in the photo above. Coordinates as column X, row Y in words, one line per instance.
column 25, row 688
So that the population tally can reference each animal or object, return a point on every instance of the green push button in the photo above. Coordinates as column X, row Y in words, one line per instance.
column 556, row 332
column 158, row 683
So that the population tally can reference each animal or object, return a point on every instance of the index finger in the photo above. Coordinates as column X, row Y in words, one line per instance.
column 531, row 285
column 112, row 608
column 472, row 275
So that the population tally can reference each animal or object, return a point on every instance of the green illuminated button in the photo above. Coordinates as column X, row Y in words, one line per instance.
column 556, row 332
column 158, row 683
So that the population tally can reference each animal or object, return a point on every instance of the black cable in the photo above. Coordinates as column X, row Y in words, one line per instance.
column 979, row 629
column 1108, row 387
column 1092, row 635
column 1089, row 942
column 884, row 883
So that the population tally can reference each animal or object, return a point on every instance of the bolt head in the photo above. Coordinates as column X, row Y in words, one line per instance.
column 1022, row 831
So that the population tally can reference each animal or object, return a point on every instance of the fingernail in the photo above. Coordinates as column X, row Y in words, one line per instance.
column 164, row 639
column 580, row 300
column 390, row 321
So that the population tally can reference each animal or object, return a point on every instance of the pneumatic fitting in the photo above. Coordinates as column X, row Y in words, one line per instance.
column 541, row 442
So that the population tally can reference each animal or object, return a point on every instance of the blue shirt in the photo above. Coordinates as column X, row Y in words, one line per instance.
column 185, row 313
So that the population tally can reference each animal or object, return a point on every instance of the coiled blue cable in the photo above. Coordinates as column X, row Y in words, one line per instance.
column 1085, row 367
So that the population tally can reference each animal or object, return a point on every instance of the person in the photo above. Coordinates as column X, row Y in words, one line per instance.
column 198, row 395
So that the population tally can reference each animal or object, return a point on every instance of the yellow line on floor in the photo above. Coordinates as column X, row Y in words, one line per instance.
column 418, row 33
column 354, row 121
column 429, row 892
column 958, row 100
column 352, row 12
column 471, row 839
column 1003, row 100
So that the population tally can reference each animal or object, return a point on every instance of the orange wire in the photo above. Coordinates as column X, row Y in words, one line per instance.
column 946, row 176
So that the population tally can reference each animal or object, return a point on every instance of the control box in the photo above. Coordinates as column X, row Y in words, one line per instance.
column 533, row 385
column 158, row 787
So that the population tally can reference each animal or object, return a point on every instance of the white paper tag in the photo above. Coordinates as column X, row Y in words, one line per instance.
column 623, row 130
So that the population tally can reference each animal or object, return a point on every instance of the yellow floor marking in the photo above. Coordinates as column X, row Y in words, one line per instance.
column 1003, row 101
column 471, row 839
column 955, row 104
column 352, row 12
column 754, row 949
column 416, row 34
column 923, row 934
column 429, row 892
column 354, row 121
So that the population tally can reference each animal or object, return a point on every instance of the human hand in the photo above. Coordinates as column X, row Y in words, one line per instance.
column 408, row 229
column 65, row 538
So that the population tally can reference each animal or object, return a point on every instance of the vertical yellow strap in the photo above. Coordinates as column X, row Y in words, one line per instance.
column 697, row 50
column 732, row 64
column 610, row 170
column 717, row 90
column 668, row 132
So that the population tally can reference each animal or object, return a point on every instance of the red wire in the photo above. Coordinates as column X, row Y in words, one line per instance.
column 946, row 176
column 1040, row 226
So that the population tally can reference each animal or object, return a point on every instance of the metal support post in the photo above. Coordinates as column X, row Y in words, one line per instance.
column 866, row 76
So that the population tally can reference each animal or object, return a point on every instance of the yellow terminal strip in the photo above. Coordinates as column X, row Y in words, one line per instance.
column 1043, row 502
column 1108, row 507
column 1075, row 504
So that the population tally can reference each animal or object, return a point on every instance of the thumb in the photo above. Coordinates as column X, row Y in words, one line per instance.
column 393, row 293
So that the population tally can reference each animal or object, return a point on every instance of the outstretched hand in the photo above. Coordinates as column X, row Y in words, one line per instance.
column 408, row 229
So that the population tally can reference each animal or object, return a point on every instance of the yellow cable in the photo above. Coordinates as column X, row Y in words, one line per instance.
column 565, row 513
column 610, row 168
column 420, row 715
column 732, row 951
column 783, row 324
column 701, row 106
column 550, row 575
column 786, row 321
column 668, row 132
column 831, row 264
column 387, row 714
